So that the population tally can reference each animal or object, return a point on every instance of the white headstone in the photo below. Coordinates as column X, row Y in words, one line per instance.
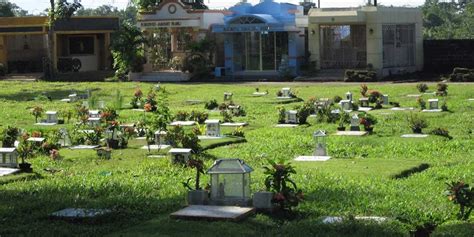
column 291, row 116
column 433, row 104
column 213, row 128
column 51, row 117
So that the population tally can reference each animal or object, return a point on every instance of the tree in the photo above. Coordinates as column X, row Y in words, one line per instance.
column 61, row 9
column 129, row 13
column 448, row 20
column 8, row 9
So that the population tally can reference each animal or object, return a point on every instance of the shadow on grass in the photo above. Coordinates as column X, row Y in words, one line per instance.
column 407, row 173
column 19, row 177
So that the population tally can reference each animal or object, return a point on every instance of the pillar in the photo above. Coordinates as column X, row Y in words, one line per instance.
column 314, row 44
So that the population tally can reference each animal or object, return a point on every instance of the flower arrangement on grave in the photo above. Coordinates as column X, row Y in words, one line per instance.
column 443, row 132
column 281, row 114
column 344, row 119
column 25, row 152
column 375, row 97
column 128, row 133
column 147, row 107
column 151, row 100
column 368, row 121
column 363, row 90
column 417, row 123
column 9, row 136
column 444, row 106
column 37, row 111
column 303, row 112
column 462, row 194
column 48, row 146
column 198, row 165
column 66, row 115
column 112, row 137
column 181, row 116
column 54, row 154
column 226, row 116
column 422, row 87
column 94, row 138
column 198, row 116
column 137, row 98
column 36, row 134
column 212, row 104
column 82, row 113
column 442, row 89
column 421, row 103
column 278, row 180
column 238, row 132
column 109, row 114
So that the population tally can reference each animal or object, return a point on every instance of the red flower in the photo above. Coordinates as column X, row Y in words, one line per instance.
column 147, row 107
column 138, row 93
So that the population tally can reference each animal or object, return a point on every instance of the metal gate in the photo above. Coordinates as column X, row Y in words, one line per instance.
column 343, row 46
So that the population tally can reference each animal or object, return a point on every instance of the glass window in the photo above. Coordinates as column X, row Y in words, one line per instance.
column 343, row 46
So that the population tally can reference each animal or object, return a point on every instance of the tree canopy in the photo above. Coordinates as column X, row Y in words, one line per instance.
column 448, row 20
column 8, row 9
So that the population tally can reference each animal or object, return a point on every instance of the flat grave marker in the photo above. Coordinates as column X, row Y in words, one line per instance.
column 229, row 213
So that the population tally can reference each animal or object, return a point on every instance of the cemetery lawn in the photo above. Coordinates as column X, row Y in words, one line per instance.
column 382, row 174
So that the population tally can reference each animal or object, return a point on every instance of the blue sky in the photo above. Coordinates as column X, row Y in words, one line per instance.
column 37, row 6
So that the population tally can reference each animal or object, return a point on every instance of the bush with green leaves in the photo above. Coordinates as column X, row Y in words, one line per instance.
column 181, row 116
column 197, row 164
column 278, row 180
column 421, row 102
column 417, row 123
column 462, row 194
column 9, row 136
column 442, row 89
column 198, row 116
column 226, row 116
column 422, row 87
column 212, row 104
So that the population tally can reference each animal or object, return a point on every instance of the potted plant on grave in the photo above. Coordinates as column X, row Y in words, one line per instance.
column 421, row 103
column 9, row 136
column 212, row 104
column 25, row 151
column 137, row 99
column 343, row 120
column 376, row 97
column 417, row 123
column 112, row 135
column 196, row 195
column 462, row 194
column 37, row 112
column 150, row 102
column 368, row 121
column 109, row 114
column 442, row 89
column 149, row 137
column 278, row 181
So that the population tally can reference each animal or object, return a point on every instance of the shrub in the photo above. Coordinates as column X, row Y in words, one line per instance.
column 360, row 76
column 442, row 89
column 367, row 120
column 199, row 166
column 181, row 116
column 462, row 75
column 37, row 111
column 303, row 112
column 109, row 114
column 278, row 181
column 421, row 103
column 226, row 116
column 198, row 116
column 337, row 99
column 417, row 123
column 9, row 136
column 238, row 132
column 363, row 90
column 212, row 104
column 151, row 101
column 460, row 193
column 422, row 87
column 281, row 114
column 137, row 98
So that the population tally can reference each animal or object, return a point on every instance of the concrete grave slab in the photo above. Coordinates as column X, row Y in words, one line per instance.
column 183, row 123
column 414, row 95
column 156, row 156
column 82, row 147
column 79, row 213
column 332, row 219
column 138, row 110
column 338, row 219
column 156, row 147
column 286, row 125
column 259, row 93
column 284, row 97
column 365, row 109
column 234, row 124
column 470, row 99
column 204, row 137
column 432, row 110
column 351, row 133
column 36, row 139
column 312, row 158
column 192, row 102
column 414, row 135
column 66, row 100
column 45, row 124
column 402, row 108
column 8, row 171
column 230, row 213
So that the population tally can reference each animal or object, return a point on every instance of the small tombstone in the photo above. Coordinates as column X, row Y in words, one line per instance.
column 213, row 128
column 320, row 139
column 433, row 104
column 104, row 153
column 72, row 97
column 234, row 109
column 346, row 105
column 290, row 117
column 364, row 102
column 101, row 104
column 349, row 96
column 355, row 123
column 230, row 182
column 8, row 157
column 93, row 122
column 64, row 140
column 157, row 87
column 94, row 114
column 38, row 141
column 385, row 99
column 227, row 96
column 285, row 92
column 51, row 117
column 180, row 155
column 85, row 104
column 160, row 137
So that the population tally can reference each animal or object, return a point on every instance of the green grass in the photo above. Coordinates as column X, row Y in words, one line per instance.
column 142, row 191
